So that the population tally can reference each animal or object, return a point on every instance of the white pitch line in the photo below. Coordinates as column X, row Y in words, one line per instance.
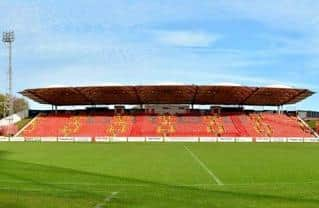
column 112, row 196
column 216, row 179
column 99, row 205
column 106, row 200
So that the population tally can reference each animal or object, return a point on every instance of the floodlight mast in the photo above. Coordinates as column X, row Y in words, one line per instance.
column 8, row 39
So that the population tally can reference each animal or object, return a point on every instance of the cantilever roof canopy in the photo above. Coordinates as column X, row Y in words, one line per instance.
column 167, row 94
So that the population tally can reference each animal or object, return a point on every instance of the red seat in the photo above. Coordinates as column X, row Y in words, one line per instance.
column 106, row 124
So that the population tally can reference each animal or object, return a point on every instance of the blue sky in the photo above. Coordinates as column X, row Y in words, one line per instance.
column 172, row 41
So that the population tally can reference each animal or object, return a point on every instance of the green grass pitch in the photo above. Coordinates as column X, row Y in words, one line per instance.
column 147, row 175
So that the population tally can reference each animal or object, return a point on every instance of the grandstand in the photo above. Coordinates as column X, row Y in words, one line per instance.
column 173, row 151
column 160, row 116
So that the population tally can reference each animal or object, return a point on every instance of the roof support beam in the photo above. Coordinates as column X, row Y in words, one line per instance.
column 83, row 95
column 189, row 94
column 294, row 97
column 138, row 98
column 195, row 95
column 44, row 101
column 249, row 96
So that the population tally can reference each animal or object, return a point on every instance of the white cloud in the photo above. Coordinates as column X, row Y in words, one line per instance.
column 187, row 38
column 94, row 41
column 21, row 17
column 284, row 14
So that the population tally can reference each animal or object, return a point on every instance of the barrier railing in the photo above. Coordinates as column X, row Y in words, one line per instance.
column 164, row 139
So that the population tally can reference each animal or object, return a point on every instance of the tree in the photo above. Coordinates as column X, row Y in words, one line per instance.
column 2, row 105
column 19, row 104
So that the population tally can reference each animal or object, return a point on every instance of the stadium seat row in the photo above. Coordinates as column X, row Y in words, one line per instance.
column 230, row 125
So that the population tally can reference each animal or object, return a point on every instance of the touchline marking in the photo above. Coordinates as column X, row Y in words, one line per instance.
column 216, row 179
column 106, row 200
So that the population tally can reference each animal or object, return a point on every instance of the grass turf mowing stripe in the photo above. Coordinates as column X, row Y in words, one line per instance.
column 78, row 184
column 83, row 175
column 216, row 179
column 149, row 185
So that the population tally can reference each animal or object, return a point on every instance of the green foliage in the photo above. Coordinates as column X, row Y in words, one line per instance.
column 23, row 122
column 2, row 106
column 312, row 124
column 149, row 175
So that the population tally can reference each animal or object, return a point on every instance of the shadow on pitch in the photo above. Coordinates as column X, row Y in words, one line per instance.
column 76, row 183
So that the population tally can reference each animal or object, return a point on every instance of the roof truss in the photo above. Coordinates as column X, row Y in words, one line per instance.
column 168, row 94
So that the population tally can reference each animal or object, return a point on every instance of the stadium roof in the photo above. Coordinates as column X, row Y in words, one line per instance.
column 167, row 94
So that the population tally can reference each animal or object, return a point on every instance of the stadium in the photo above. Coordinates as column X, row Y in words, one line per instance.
column 166, row 113
column 159, row 104
column 155, row 146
